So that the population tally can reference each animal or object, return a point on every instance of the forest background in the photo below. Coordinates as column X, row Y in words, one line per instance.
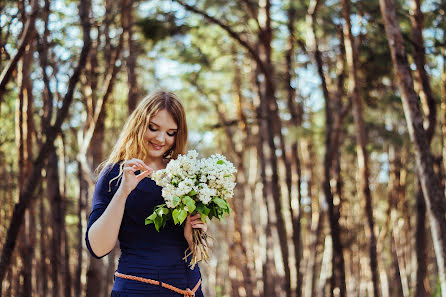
column 334, row 113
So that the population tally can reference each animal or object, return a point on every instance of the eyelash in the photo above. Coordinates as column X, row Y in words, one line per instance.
column 171, row 135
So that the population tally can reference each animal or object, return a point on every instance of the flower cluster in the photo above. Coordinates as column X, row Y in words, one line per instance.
column 191, row 184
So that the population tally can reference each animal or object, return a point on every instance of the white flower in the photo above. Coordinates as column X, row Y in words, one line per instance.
column 208, row 177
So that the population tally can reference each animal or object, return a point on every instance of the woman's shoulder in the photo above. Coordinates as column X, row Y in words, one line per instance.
column 108, row 173
column 109, row 170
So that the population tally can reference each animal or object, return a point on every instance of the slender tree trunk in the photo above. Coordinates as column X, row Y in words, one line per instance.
column 429, row 107
column 43, row 247
column 127, row 25
column 352, row 59
column 331, row 147
column 431, row 186
column 273, row 125
column 296, row 118
column 96, row 273
column 396, row 284
column 55, row 199
column 24, row 142
column 80, row 236
column 267, row 273
column 443, row 111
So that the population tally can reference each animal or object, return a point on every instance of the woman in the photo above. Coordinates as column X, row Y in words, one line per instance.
column 151, row 262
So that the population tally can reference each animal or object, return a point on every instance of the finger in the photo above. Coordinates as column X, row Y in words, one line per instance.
column 129, row 163
column 200, row 226
column 141, row 163
column 143, row 174
column 197, row 220
column 129, row 169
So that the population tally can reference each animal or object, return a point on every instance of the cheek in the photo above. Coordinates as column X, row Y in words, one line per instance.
column 171, row 141
column 148, row 135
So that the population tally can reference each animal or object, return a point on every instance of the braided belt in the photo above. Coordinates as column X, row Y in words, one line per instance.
column 186, row 293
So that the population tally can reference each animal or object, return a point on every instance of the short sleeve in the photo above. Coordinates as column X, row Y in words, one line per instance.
column 103, row 193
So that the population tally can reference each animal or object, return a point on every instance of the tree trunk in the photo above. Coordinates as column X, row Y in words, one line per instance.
column 429, row 107
column 24, row 141
column 96, row 272
column 127, row 26
column 273, row 128
column 55, row 199
column 430, row 183
column 296, row 118
column 396, row 284
column 352, row 59
column 80, row 236
column 43, row 247
column 331, row 148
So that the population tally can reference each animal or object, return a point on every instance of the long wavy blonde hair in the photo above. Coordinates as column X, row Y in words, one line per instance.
column 131, row 143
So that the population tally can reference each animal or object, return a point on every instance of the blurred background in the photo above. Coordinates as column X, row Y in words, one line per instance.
column 334, row 113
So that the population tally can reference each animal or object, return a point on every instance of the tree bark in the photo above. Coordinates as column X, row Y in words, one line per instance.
column 429, row 107
column 396, row 285
column 296, row 118
column 127, row 26
column 332, row 133
column 35, row 175
column 430, row 183
column 361, row 144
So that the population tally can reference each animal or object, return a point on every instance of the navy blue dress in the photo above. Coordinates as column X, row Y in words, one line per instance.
column 144, row 251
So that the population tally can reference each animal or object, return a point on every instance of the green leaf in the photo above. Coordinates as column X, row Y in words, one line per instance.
column 190, row 203
column 203, row 209
column 175, row 215
column 150, row 219
column 176, row 200
column 219, row 162
column 182, row 216
column 220, row 202
column 203, row 217
column 158, row 223
column 192, row 193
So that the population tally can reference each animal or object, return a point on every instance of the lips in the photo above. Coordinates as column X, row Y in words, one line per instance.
column 156, row 147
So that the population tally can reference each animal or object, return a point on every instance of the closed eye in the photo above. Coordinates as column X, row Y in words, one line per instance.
column 153, row 129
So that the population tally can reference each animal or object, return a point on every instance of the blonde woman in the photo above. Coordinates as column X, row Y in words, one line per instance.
column 151, row 262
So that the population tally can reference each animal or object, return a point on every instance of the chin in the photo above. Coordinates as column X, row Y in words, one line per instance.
column 156, row 154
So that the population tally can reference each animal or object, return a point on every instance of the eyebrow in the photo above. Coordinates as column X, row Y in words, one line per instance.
column 151, row 122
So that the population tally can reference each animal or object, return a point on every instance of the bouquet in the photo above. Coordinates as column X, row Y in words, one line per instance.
column 191, row 186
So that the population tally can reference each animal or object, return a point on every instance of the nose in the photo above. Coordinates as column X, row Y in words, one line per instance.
column 160, row 138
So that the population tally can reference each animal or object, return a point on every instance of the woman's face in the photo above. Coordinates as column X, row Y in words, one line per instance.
column 161, row 133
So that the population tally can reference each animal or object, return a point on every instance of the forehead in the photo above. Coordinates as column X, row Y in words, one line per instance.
column 164, row 119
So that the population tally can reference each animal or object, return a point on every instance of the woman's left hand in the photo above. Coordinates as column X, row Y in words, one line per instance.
column 193, row 222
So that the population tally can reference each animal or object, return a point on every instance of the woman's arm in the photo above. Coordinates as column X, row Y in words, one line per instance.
column 103, row 234
column 106, row 216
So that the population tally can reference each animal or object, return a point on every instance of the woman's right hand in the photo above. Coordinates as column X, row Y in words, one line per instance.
column 129, row 179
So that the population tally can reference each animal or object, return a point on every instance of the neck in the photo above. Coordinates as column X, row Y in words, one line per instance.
column 156, row 164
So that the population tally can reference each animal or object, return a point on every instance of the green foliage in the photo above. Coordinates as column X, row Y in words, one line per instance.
column 161, row 26
column 217, row 208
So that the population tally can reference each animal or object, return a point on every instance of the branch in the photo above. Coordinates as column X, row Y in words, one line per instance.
column 232, row 33
column 24, row 40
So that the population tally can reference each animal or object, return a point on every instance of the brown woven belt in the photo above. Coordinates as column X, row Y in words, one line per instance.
column 186, row 293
